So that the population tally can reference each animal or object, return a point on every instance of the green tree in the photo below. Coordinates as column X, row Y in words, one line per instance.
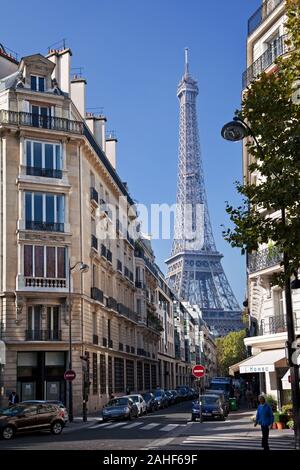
column 271, row 106
column 230, row 350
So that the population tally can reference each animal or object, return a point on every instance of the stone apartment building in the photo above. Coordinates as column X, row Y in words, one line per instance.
column 266, row 302
column 64, row 205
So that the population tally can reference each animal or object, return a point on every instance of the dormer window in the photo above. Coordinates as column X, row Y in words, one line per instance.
column 37, row 83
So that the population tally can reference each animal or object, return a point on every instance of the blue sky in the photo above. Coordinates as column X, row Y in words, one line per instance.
column 132, row 54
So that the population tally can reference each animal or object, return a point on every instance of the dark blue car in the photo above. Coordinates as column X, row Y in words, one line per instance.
column 211, row 408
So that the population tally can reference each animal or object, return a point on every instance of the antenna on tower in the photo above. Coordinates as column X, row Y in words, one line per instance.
column 186, row 66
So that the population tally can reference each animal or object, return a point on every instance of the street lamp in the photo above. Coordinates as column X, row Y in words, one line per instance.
column 234, row 131
column 83, row 269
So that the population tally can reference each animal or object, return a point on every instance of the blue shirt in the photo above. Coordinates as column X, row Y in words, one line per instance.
column 264, row 415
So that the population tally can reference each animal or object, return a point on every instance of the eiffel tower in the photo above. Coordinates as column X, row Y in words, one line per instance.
column 195, row 271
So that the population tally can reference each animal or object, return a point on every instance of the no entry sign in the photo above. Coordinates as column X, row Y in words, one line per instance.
column 198, row 371
column 69, row 375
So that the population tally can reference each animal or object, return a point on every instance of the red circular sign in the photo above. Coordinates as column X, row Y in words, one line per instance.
column 198, row 371
column 69, row 375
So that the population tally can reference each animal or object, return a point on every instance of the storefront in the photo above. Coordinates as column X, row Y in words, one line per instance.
column 40, row 375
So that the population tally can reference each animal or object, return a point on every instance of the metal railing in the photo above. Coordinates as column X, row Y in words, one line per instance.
column 44, row 226
column 127, row 312
column 112, row 304
column 97, row 294
column 264, row 259
column 140, row 285
column 276, row 324
column 45, row 172
column 43, row 335
column 43, row 282
column 276, row 49
column 37, row 120
column 261, row 14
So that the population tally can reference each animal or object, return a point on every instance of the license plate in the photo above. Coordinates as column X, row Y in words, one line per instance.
column 206, row 414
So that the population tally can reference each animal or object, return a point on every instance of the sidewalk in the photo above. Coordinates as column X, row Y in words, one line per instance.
column 79, row 424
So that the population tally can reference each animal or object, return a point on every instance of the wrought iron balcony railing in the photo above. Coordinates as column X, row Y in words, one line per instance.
column 45, row 172
column 37, row 120
column 264, row 259
column 112, row 303
column 276, row 324
column 43, row 335
column 261, row 14
column 44, row 226
column 97, row 294
column 140, row 285
column 276, row 49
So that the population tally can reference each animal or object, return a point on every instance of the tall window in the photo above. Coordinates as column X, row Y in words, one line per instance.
column 43, row 159
column 34, row 321
column 119, row 374
column 102, row 374
column 53, row 326
column 37, row 83
column 44, row 261
column 41, row 116
column 44, row 211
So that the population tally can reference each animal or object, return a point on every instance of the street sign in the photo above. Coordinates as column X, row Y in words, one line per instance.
column 198, row 371
column 69, row 375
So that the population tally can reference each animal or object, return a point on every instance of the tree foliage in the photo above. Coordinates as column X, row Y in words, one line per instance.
column 230, row 350
column 271, row 105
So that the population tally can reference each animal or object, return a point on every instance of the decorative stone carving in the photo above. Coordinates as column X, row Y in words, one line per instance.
column 20, row 303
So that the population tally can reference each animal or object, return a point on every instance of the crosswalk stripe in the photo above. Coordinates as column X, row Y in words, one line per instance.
column 100, row 424
column 234, row 442
column 169, row 427
column 150, row 426
column 115, row 425
column 133, row 425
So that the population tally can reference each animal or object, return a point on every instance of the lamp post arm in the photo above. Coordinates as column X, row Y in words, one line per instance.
column 251, row 133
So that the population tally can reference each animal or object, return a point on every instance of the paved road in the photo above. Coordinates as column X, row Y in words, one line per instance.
column 166, row 429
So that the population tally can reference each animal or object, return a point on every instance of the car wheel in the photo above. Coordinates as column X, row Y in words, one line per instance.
column 104, row 420
column 193, row 418
column 56, row 428
column 8, row 432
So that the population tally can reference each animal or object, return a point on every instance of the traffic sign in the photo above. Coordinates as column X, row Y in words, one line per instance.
column 69, row 375
column 198, row 371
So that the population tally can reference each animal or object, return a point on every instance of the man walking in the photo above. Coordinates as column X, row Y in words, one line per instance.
column 265, row 418
column 13, row 398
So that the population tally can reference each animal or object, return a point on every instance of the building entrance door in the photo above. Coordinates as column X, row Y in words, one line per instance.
column 53, row 390
column 28, row 391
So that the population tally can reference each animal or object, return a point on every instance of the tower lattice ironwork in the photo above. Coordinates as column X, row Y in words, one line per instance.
column 195, row 271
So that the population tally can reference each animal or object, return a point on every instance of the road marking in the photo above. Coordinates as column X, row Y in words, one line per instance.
column 133, row 425
column 159, row 443
column 100, row 425
column 115, row 425
column 150, row 426
column 169, row 427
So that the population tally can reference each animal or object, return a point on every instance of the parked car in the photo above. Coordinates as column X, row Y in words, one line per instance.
column 140, row 403
column 224, row 398
column 211, row 408
column 183, row 392
column 170, row 397
column 26, row 417
column 176, row 395
column 151, row 403
column 161, row 398
column 120, row 408
column 54, row 402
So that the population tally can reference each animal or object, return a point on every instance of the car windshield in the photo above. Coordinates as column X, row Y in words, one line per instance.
column 118, row 402
column 12, row 410
column 220, row 386
column 208, row 400
column 134, row 398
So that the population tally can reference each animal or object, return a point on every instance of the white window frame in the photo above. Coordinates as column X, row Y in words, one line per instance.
column 44, row 205
column 44, row 143
column 37, row 82
column 45, row 260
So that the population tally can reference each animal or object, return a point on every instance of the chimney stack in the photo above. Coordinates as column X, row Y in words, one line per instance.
column 78, row 94
column 96, row 124
column 62, row 60
column 111, row 150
